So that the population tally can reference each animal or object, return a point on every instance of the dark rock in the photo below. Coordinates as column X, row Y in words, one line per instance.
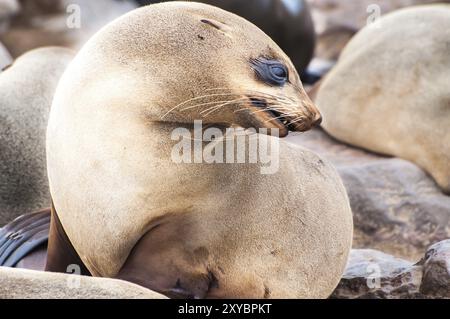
column 436, row 273
column 373, row 274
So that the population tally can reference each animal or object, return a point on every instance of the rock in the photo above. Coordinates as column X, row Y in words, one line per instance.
column 436, row 271
column 8, row 8
column 55, row 22
column 337, row 21
column 373, row 274
column 397, row 207
column 27, row 284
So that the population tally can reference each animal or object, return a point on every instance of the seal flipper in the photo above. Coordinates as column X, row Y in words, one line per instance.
column 60, row 253
column 22, row 236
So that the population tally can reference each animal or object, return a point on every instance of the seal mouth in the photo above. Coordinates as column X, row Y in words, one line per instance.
column 282, row 119
column 285, row 121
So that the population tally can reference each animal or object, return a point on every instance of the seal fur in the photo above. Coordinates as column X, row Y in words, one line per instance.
column 203, row 230
column 26, row 93
column 389, row 95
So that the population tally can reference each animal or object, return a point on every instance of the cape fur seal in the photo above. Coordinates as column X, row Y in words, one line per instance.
column 29, row 284
column 192, row 230
column 26, row 93
column 389, row 95
column 288, row 22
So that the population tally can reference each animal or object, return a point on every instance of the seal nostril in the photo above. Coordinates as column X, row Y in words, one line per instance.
column 317, row 121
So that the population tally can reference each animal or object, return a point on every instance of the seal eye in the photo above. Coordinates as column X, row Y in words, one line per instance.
column 279, row 71
column 272, row 72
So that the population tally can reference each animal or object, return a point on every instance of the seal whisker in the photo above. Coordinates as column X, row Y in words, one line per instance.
column 274, row 108
column 299, row 119
column 263, row 110
column 253, row 112
column 276, row 118
column 264, row 107
column 260, row 95
column 290, row 113
column 263, row 94
column 209, row 103
column 214, row 108
column 211, row 109
column 195, row 99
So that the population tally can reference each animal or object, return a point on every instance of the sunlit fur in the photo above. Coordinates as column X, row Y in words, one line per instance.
column 26, row 93
column 202, row 230
column 389, row 92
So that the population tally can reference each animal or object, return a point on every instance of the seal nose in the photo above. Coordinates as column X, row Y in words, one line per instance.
column 317, row 121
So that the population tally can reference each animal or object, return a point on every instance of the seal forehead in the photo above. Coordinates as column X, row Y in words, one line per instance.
column 178, row 45
column 206, row 31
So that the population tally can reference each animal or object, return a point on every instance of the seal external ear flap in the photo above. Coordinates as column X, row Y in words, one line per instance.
column 214, row 24
column 222, row 27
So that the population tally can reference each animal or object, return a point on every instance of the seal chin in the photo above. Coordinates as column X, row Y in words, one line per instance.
column 278, row 120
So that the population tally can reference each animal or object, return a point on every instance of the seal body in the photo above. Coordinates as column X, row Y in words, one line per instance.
column 26, row 93
column 192, row 230
column 288, row 22
column 29, row 284
column 389, row 95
